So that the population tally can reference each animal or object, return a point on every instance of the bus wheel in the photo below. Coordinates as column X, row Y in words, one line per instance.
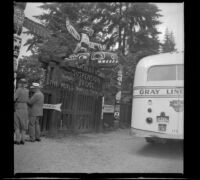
column 155, row 140
column 150, row 140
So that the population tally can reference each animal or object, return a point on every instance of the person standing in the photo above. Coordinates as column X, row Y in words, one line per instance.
column 36, row 112
column 21, row 97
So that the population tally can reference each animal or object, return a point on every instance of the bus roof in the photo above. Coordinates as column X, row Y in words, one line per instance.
column 161, row 59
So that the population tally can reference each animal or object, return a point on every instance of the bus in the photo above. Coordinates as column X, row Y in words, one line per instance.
column 158, row 98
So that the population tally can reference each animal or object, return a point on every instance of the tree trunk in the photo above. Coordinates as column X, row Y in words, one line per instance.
column 125, row 31
column 120, row 28
column 124, row 42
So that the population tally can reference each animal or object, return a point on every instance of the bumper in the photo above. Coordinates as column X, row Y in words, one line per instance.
column 143, row 133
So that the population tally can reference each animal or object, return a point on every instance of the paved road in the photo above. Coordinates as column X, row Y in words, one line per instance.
column 111, row 152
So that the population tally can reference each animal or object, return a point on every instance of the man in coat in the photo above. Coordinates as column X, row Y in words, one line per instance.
column 21, row 97
column 36, row 112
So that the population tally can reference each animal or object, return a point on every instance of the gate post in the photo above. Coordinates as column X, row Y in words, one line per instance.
column 74, row 107
column 98, row 112
column 54, row 115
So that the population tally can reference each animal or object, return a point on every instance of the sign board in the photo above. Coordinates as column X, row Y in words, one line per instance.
column 157, row 92
column 76, row 78
column 108, row 108
column 52, row 106
column 104, row 59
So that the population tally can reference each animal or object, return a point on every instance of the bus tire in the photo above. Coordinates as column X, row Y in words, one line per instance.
column 150, row 140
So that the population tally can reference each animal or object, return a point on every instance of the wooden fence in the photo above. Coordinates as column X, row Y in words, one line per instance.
column 81, row 107
column 125, row 115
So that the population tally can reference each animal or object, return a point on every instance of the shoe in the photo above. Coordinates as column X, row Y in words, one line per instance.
column 22, row 142
column 30, row 140
column 15, row 142
column 38, row 140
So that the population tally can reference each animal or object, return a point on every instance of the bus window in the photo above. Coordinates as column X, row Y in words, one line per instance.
column 162, row 73
column 180, row 72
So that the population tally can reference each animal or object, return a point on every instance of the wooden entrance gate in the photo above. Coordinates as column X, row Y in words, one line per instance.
column 80, row 93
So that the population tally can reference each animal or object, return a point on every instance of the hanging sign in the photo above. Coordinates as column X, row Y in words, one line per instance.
column 52, row 106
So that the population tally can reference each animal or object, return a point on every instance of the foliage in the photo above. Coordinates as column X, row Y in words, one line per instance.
column 129, row 66
column 61, row 43
column 30, row 68
column 129, row 29
column 169, row 42
column 130, row 26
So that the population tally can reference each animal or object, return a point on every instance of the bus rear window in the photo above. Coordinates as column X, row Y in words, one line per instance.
column 162, row 73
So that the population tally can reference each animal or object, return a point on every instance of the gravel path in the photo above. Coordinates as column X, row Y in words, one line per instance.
column 112, row 152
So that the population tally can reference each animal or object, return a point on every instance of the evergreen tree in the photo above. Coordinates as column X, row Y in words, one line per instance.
column 126, row 28
column 169, row 42
column 129, row 26
column 30, row 68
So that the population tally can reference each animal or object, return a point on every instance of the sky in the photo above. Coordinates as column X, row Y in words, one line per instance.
column 173, row 19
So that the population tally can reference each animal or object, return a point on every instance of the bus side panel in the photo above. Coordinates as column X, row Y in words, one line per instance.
column 181, row 117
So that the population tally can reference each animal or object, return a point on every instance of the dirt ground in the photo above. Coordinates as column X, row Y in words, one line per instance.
column 111, row 152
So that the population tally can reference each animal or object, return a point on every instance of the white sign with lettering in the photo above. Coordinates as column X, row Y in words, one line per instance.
column 52, row 106
column 167, row 91
column 108, row 108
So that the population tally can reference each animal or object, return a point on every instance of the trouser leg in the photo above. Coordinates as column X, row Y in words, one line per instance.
column 17, row 134
column 32, row 128
column 27, row 130
column 17, row 127
column 23, row 132
column 37, row 127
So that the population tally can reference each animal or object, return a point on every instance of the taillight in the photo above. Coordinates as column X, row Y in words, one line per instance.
column 149, row 102
column 149, row 120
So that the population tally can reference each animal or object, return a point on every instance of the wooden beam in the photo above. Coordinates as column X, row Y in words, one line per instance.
column 36, row 28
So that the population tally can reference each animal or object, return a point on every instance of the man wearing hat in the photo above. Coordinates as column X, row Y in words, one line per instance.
column 21, row 98
column 36, row 112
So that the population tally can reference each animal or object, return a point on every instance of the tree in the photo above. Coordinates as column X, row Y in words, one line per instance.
column 127, row 28
column 61, row 43
column 169, row 42
column 130, row 28
column 30, row 68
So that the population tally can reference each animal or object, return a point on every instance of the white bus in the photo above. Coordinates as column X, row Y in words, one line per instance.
column 158, row 102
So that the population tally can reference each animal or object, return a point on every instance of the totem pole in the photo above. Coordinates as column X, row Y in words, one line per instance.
column 92, row 52
column 118, row 96
column 102, row 58
column 18, row 25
